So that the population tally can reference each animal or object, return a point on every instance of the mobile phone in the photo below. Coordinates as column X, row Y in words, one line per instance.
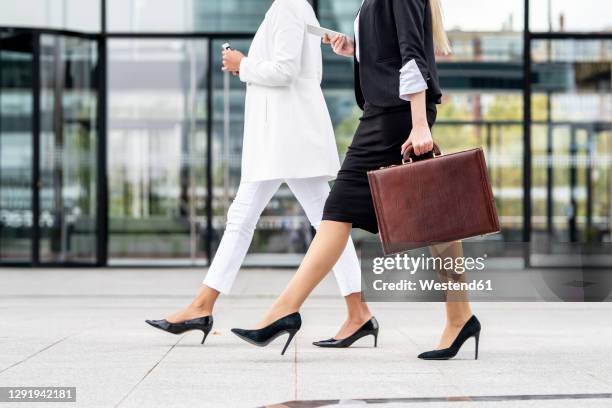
column 321, row 31
column 227, row 47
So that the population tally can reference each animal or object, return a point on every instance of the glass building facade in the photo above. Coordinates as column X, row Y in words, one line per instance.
column 120, row 137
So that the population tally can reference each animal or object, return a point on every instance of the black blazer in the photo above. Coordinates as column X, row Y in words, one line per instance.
column 391, row 33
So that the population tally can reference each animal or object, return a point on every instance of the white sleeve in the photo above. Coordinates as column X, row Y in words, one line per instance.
column 411, row 81
column 287, row 37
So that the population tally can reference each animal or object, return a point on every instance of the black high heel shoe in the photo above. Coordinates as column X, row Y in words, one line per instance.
column 470, row 329
column 262, row 337
column 369, row 328
column 204, row 324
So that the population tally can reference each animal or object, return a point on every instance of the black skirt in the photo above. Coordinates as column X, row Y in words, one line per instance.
column 377, row 143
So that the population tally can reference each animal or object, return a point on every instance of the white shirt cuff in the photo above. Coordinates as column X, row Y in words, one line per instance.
column 411, row 80
column 243, row 69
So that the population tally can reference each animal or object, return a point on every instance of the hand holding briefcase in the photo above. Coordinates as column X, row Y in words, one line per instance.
column 441, row 199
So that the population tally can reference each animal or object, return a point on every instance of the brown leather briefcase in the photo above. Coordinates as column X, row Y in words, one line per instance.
column 441, row 199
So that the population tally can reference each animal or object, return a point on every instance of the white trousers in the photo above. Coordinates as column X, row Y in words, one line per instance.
column 242, row 217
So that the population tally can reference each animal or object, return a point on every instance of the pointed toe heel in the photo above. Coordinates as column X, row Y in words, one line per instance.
column 204, row 324
column 289, row 324
column 470, row 329
column 369, row 328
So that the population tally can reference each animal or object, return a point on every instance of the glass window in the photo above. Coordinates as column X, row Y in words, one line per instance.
column 338, row 15
column 570, row 15
column 157, row 149
column 186, row 15
column 15, row 147
column 77, row 15
column 572, row 140
column 483, row 15
column 68, row 149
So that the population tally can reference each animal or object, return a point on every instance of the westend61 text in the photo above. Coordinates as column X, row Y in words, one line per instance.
column 430, row 284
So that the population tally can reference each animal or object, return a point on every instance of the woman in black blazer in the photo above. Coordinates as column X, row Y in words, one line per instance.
column 396, row 85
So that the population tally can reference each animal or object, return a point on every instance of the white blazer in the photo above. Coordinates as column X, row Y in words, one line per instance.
column 287, row 129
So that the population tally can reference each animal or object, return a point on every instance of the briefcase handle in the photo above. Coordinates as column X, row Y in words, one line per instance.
column 409, row 153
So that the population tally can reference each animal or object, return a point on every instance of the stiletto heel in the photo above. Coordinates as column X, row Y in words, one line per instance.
column 262, row 337
column 205, row 335
column 291, row 334
column 204, row 323
column 369, row 328
column 470, row 329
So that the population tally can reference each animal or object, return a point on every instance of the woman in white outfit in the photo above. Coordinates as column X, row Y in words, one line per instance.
column 288, row 137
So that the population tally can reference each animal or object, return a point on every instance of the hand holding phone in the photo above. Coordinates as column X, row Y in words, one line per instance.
column 341, row 45
column 231, row 59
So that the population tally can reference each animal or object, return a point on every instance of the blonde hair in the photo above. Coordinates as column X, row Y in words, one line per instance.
column 439, row 35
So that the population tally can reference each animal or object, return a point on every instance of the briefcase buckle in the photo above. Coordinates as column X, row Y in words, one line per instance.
column 404, row 161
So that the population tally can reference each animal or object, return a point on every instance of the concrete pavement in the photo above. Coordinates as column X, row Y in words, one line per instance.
column 85, row 328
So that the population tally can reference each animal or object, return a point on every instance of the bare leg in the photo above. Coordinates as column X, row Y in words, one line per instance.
column 201, row 305
column 324, row 251
column 458, row 310
column 312, row 195
column 357, row 314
